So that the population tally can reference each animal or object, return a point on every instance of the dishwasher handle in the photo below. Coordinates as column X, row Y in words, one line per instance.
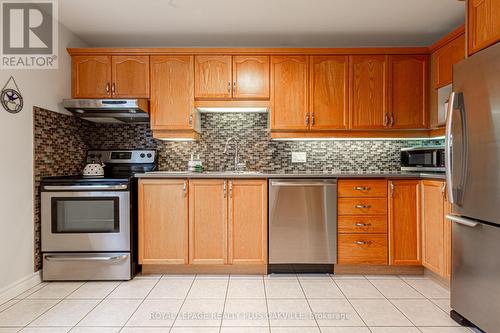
column 304, row 183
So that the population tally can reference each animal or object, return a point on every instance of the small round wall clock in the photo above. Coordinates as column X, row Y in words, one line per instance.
column 11, row 98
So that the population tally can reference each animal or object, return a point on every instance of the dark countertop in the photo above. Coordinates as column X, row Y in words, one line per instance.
column 312, row 174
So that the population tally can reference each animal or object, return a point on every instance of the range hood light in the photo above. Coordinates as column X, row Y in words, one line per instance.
column 232, row 109
column 79, row 111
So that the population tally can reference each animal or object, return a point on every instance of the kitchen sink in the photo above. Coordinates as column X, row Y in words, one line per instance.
column 233, row 172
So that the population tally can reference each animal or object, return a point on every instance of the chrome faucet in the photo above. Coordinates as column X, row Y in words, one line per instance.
column 238, row 166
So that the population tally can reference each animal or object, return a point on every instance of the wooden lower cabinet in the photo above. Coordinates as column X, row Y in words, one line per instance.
column 212, row 224
column 362, row 249
column 404, row 222
column 208, row 221
column 436, row 229
column 163, row 221
column 247, row 222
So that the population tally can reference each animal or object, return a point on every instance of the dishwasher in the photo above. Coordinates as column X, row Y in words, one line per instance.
column 302, row 225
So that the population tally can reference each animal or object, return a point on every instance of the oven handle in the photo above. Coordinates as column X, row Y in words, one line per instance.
column 84, row 187
column 77, row 258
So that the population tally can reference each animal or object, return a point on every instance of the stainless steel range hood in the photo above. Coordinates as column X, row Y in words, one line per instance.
column 109, row 110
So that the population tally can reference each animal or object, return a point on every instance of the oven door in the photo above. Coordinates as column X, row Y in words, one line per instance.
column 90, row 221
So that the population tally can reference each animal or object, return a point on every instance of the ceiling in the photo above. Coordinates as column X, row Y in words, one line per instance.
column 261, row 23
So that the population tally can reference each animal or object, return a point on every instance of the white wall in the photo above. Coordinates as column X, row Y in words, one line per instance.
column 46, row 89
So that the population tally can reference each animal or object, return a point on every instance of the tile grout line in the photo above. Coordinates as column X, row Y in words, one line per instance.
column 309, row 304
column 224, row 306
column 427, row 298
column 350, row 302
column 267, row 305
column 100, row 301
column 184, row 301
column 394, row 305
column 137, row 308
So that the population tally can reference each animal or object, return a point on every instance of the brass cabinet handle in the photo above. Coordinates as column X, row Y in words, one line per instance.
column 386, row 119
column 190, row 120
column 225, row 189
column 392, row 189
column 362, row 242
column 231, row 189
column 107, row 87
column 362, row 188
column 392, row 119
column 307, row 119
column 184, row 189
column 363, row 206
column 361, row 224
column 229, row 87
column 113, row 88
column 234, row 85
column 313, row 121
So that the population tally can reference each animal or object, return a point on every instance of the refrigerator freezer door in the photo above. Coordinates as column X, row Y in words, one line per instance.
column 475, row 136
column 475, row 291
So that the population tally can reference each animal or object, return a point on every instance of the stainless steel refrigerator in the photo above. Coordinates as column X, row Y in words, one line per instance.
column 473, row 177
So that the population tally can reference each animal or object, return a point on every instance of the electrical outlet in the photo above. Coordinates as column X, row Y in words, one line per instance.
column 299, row 157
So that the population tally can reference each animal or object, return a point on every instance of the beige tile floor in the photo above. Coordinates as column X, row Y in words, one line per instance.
column 235, row 304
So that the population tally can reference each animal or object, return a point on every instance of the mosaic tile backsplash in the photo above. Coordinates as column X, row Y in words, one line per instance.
column 255, row 147
column 61, row 142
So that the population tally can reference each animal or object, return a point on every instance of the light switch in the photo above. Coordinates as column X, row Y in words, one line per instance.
column 299, row 157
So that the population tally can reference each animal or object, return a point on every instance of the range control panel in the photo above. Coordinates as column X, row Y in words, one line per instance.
column 121, row 156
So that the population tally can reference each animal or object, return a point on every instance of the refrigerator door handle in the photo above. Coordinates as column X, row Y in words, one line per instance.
column 448, row 147
column 462, row 220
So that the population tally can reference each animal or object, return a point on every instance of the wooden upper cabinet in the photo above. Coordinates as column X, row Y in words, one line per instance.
column 208, row 221
column 404, row 222
column 445, row 58
column 130, row 76
column 250, row 77
column 213, row 77
column 483, row 24
column 329, row 91
column 289, row 93
column 408, row 77
column 172, row 92
column 368, row 92
column 247, row 221
column 433, row 225
column 91, row 76
column 163, row 221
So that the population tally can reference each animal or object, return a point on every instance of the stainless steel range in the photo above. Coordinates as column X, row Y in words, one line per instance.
column 89, row 224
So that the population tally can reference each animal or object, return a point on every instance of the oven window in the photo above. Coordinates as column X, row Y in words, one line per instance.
column 420, row 159
column 85, row 215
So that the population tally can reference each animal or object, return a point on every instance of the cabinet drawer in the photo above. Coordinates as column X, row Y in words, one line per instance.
column 362, row 224
column 362, row 249
column 362, row 206
column 360, row 188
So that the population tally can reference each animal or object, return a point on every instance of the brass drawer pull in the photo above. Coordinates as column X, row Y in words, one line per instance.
column 362, row 188
column 363, row 206
column 361, row 224
column 362, row 242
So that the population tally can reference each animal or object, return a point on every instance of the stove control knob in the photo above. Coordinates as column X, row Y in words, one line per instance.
column 143, row 155
column 149, row 155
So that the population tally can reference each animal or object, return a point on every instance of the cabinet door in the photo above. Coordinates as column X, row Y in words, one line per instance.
column 172, row 92
column 404, row 222
column 483, row 24
column 408, row 91
column 213, row 77
column 91, row 76
column 251, row 77
column 208, row 221
column 445, row 58
column 130, row 76
column 433, row 225
column 248, row 222
column 368, row 92
column 289, row 96
column 329, row 92
column 163, row 221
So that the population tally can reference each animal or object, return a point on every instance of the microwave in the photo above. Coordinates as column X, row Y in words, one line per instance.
column 429, row 158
